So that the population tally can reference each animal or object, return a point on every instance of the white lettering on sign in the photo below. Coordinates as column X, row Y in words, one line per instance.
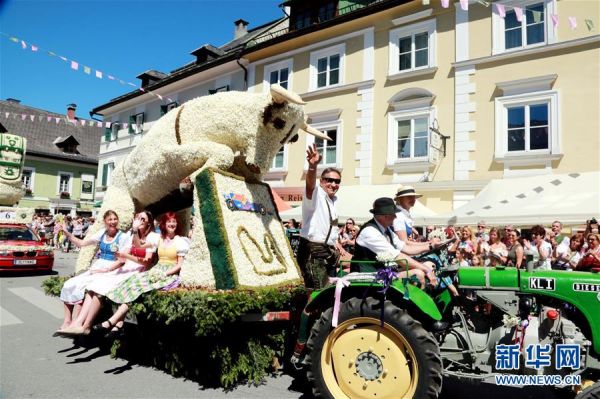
column 541, row 283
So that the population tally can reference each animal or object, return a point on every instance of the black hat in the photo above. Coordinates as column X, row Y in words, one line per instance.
column 384, row 206
column 72, row 106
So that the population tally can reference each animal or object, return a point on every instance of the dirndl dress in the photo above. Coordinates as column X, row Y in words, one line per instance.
column 153, row 279
column 73, row 291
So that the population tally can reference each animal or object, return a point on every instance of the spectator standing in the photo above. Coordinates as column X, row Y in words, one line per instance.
column 481, row 235
column 570, row 259
column 559, row 241
column 68, row 227
column 539, row 248
column 507, row 230
column 591, row 258
column 494, row 244
column 515, row 249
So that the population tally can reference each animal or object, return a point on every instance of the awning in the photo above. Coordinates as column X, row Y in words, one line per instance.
column 355, row 201
column 525, row 201
column 279, row 202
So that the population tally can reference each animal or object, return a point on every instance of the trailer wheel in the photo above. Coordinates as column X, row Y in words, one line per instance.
column 361, row 359
column 590, row 392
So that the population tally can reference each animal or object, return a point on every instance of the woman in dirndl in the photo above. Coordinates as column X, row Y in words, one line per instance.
column 110, row 240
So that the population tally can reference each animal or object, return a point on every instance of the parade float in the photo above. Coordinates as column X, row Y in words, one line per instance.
column 373, row 334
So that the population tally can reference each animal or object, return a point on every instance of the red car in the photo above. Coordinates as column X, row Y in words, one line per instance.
column 21, row 249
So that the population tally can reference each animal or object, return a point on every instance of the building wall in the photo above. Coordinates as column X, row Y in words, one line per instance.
column 45, row 180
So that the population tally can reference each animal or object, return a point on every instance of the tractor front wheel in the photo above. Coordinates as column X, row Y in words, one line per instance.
column 362, row 359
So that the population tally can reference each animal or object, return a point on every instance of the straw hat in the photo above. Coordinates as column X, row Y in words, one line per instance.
column 406, row 191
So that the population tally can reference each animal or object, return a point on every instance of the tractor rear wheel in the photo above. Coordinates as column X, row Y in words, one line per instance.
column 590, row 392
column 361, row 359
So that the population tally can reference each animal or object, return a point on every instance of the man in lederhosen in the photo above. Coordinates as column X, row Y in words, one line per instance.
column 318, row 253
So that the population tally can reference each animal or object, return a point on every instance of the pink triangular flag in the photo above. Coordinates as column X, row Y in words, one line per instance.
column 554, row 18
column 573, row 22
column 500, row 10
column 142, row 89
column 57, row 120
column 125, row 125
column 23, row 116
column 111, row 77
column 32, row 117
column 519, row 13
column 23, row 44
column 49, row 118
column 74, row 65
column 82, row 122
column 7, row 114
column 34, row 48
column 445, row 3
column 99, row 74
column 464, row 4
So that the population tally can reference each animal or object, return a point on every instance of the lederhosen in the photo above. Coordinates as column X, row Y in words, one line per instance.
column 318, row 261
column 364, row 253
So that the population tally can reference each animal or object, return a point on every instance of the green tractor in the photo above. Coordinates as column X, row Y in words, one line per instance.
column 401, row 341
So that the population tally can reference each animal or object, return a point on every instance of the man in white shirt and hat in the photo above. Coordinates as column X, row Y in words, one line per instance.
column 405, row 198
column 376, row 238
column 318, row 253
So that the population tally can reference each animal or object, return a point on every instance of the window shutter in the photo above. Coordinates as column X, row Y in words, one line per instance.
column 107, row 134
column 163, row 110
column 131, row 122
column 104, row 174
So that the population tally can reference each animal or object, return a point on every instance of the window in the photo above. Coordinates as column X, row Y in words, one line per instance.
column 219, row 89
column 279, row 73
column 302, row 20
column 87, row 184
column 111, row 133
column 412, row 47
column 64, row 182
column 328, row 148
column 534, row 28
column 27, row 177
column 527, row 124
column 107, row 169
column 278, row 161
column 136, row 123
column 409, row 136
column 326, row 11
column 327, row 67
column 166, row 108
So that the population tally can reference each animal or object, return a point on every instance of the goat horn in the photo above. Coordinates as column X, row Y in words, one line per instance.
column 311, row 130
column 281, row 95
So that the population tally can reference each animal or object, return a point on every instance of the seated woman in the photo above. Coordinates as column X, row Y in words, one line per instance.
column 110, row 239
column 134, row 257
column 172, row 248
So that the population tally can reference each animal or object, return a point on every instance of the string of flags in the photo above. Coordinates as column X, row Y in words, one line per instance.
column 75, row 66
column 61, row 119
column 537, row 15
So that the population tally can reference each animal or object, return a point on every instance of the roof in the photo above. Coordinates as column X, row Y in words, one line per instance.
column 41, row 135
column 227, row 52
column 525, row 201
column 153, row 74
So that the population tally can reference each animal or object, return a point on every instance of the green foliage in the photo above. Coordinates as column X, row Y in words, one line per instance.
column 199, row 335
column 53, row 285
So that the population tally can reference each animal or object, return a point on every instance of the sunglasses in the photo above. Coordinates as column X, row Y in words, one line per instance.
column 481, row 227
column 349, row 223
column 332, row 180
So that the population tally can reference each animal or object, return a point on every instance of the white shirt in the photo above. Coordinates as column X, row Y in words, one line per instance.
column 564, row 247
column 377, row 241
column 403, row 218
column 315, row 217
column 541, row 264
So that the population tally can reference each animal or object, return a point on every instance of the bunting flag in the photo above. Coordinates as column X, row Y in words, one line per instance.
column 445, row 3
column 57, row 119
column 519, row 13
column 74, row 65
column 573, row 22
column 554, row 18
column 464, row 4
column 500, row 10
column 537, row 16
column 590, row 24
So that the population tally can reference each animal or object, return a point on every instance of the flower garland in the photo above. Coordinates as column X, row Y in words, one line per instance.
column 270, row 246
column 26, row 248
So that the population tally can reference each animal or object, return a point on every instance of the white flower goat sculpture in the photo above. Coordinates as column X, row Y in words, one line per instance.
column 237, row 132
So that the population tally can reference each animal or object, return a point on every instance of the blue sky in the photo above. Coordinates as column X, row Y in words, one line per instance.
column 120, row 38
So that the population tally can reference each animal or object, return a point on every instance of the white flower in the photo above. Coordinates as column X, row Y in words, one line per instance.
column 510, row 321
column 386, row 257
column 436, row 233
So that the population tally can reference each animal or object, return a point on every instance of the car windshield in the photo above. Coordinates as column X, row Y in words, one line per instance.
column 16, row 233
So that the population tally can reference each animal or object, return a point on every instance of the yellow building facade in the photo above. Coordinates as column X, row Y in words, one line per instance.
column 514, row 97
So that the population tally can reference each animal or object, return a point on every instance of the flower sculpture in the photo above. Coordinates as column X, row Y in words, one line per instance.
column 236, row 132
column 12, row 156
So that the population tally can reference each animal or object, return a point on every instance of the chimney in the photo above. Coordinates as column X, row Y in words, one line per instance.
column 71, row 111
column 241, row 28
column 13, row 100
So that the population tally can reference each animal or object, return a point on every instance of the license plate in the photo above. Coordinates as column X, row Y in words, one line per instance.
column 24, row 261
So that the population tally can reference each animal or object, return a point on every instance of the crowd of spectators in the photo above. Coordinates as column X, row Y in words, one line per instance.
column 48, row 228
